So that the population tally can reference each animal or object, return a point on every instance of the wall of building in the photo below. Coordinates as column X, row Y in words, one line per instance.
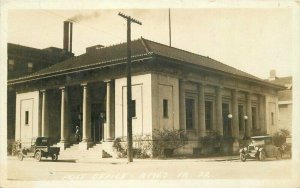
column 271, row 114
column 165, row 88
column 141, row 93
column 285, row 116
column 27, row 103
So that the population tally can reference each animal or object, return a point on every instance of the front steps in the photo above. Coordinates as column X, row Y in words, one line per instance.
column 75, row 153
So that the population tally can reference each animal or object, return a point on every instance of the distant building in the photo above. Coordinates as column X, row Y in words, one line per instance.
column 22, row 61
column 285, row 100
column 172, row 89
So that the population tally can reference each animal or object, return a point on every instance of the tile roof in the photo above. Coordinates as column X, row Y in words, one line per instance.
column 140, row 48
column 283, row 80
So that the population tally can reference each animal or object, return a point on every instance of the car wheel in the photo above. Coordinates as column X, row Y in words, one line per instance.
column 243, row 157
column 54, row 157
column 38, row 155
column 20, row 156
column 262, row 155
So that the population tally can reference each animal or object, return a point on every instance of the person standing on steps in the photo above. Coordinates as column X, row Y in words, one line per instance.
column 77, row 134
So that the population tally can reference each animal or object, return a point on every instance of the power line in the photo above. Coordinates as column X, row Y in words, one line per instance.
column 83, row 24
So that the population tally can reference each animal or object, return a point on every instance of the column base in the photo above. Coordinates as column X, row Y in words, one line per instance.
column 84, row 145
column 63, row 145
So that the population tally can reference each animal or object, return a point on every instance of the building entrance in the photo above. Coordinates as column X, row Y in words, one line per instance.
column 97, row 122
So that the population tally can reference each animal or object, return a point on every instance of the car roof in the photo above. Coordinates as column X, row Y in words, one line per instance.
column 261, row 137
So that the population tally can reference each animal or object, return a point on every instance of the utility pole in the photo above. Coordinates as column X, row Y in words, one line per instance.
column 129, row 100
column 170, row 26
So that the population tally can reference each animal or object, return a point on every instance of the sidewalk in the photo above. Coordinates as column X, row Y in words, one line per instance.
column 124, row 160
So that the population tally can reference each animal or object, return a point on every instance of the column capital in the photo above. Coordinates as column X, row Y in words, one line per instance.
column 107, row 80
column 62, row 87
column 84, row 84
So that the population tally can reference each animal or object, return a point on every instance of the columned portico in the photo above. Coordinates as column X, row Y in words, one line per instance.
column 109, row 125
column 86, row 119
column 235, row 119
column 45, row 128
column 219, row 118
column 182, row 104
column 261, row 111
column 64, row 142
column 201, row 110
column 248, row 125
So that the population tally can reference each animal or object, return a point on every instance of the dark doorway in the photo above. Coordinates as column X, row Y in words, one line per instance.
column 96, row 122
column 226, row 121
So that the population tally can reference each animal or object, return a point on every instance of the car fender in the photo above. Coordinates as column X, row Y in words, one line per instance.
column 260, row 149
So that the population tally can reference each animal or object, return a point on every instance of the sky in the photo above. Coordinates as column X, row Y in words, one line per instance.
column 254, row 40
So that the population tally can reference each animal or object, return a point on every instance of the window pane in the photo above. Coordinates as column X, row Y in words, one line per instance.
column 26, row 117
column 190, row 113
column 165, row 108
column 133, row 108
column 208, row 115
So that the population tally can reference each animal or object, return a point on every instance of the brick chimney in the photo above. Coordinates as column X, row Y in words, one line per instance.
column 68, row 32
column 272, row 75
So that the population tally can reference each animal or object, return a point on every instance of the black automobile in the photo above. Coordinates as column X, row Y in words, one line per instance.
column 39, row 147
column 260, row 148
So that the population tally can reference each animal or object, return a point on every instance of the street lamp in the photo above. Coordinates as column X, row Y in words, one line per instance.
column 229, row 124
column 246, row 127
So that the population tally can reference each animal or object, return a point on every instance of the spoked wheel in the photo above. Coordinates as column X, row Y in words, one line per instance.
column 54, row 157
column 262, row 155
column 243, row 157
column 38, row 156
column 20, row 156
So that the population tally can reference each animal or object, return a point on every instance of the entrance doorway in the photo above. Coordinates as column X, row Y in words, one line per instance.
column 97, row 122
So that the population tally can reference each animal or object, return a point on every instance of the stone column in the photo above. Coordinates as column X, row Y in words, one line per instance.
column 262, row 114
column 201, row 110
column 86, row 119
column 63, row 119
column 182, row 114
column 218, row 105
column 109, row 121
column 45, row 128
column 249, row 115
column 235, row 118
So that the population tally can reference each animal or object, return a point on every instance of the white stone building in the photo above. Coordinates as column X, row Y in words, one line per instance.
column 172, row 89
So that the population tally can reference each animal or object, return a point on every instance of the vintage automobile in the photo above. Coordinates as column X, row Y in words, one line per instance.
column 39, row 147
column 260, row 148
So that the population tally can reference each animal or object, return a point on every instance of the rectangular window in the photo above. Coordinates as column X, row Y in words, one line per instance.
column 26, row 117
column 272, row 117
column 11, row 65
column 165, row 108
column 190, row 113
column 208, row 114
column 241, row 117
column 30, row 67
column 133, row 108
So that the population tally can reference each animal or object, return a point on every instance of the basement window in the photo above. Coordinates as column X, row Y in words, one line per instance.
column 165, row 108
column 26, row 117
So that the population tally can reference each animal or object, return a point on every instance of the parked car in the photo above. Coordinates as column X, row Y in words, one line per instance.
column 39, row 148
column 260, row 148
